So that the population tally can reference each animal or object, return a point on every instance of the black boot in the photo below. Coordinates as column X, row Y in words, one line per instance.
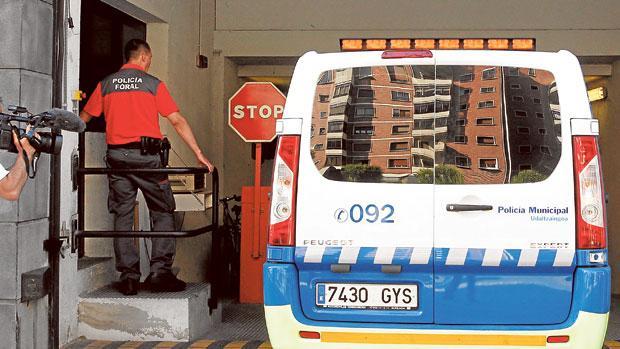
column 129, row 286
column 165, row 282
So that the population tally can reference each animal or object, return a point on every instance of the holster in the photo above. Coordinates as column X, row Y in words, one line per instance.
column 152, row 146
column 149, row 145
column 165, row 151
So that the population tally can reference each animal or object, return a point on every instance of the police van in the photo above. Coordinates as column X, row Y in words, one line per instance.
column 437, row 199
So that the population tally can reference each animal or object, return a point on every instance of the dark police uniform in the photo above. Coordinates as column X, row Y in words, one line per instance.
column 131, row 100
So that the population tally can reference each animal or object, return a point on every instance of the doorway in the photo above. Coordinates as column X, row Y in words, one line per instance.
column 104, row 32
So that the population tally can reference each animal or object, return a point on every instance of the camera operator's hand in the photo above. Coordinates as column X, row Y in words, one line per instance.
column 13, row 181
column 24, row 144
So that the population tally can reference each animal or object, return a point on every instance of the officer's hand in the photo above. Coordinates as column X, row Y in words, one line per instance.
column 203, row 161
column 23, row 144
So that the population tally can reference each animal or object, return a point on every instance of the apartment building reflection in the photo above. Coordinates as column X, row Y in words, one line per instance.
column 485, row 124
column 364, row 116
column 475, row 142
column 532, row 109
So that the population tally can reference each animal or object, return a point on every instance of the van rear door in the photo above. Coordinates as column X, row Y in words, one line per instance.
column 364, row 231
column 504, row 201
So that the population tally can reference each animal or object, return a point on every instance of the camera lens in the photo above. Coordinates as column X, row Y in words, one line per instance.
column 49, row 143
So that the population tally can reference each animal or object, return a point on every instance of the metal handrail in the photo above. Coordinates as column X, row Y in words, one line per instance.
column 79, row 234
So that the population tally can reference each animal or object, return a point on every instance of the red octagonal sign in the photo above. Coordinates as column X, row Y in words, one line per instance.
column 253, row 110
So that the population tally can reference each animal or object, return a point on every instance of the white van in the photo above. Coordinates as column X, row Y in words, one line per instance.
column 437, row 199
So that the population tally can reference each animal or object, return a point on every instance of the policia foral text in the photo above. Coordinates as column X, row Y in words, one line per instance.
column 131, row 101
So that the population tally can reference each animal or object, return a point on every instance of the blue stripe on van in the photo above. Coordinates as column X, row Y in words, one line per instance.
column 448, row 257
column 592, row 293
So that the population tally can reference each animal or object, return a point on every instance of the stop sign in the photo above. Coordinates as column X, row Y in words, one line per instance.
column 253, row 110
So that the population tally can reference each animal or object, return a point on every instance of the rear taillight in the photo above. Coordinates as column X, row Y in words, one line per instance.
column 282, row 219
column 589, row 195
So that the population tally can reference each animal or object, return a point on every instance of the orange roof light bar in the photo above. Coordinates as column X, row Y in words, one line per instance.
column 376, row 44
column 449, row 44
column 400, row 44
column 424, row 44
column 522, row 44
column 351, row 44
column 473, row 44
column 498, row 44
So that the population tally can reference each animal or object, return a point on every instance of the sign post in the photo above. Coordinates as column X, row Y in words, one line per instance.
column 252, row 113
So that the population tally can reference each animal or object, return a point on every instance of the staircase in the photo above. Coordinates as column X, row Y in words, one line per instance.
column 106, row 314
column 190, row 193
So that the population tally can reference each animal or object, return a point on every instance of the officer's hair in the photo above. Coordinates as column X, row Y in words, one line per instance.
column 133, row 48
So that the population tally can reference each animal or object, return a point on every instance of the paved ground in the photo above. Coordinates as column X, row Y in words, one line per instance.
column 243, row 327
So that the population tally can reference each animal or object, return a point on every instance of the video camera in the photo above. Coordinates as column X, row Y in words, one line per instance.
column 42, row 142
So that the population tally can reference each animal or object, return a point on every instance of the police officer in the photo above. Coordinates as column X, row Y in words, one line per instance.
column 131, row 100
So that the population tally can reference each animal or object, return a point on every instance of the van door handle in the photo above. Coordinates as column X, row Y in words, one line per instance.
column 467, row 208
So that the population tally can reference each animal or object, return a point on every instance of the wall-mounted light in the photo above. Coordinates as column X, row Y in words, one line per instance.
column 597, row 94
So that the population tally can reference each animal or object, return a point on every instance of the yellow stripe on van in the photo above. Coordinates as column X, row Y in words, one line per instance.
column 432, row 339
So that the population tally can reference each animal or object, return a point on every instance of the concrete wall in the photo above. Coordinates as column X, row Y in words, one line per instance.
column 259, row 28
column 415, row 14
column 25, row 70
column 70, row 287
column 607, row 112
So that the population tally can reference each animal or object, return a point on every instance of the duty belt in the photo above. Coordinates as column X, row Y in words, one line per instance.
column 132, row 145
column 148, row 145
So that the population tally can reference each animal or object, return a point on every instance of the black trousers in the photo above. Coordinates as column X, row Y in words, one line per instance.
column 160, row 201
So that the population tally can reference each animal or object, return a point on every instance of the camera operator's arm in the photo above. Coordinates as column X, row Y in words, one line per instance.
column 13, row 183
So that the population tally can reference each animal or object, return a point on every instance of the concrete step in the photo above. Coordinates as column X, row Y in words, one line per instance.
column 106, row 314
column 95, row 273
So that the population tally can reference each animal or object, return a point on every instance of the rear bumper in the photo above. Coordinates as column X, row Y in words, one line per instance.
column 586, row 324
column 587, row 332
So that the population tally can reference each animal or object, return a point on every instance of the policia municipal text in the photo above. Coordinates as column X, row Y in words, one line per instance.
column 131, row 101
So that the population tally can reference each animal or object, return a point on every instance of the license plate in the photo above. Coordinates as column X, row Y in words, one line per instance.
column 367, row 296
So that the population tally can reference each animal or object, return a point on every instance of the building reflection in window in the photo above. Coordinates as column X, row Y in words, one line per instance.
column 444, row 124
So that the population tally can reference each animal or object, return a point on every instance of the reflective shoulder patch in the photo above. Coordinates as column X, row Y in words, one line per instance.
column 129, row 80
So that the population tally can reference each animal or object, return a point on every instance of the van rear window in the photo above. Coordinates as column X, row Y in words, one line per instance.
column 407, row 124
